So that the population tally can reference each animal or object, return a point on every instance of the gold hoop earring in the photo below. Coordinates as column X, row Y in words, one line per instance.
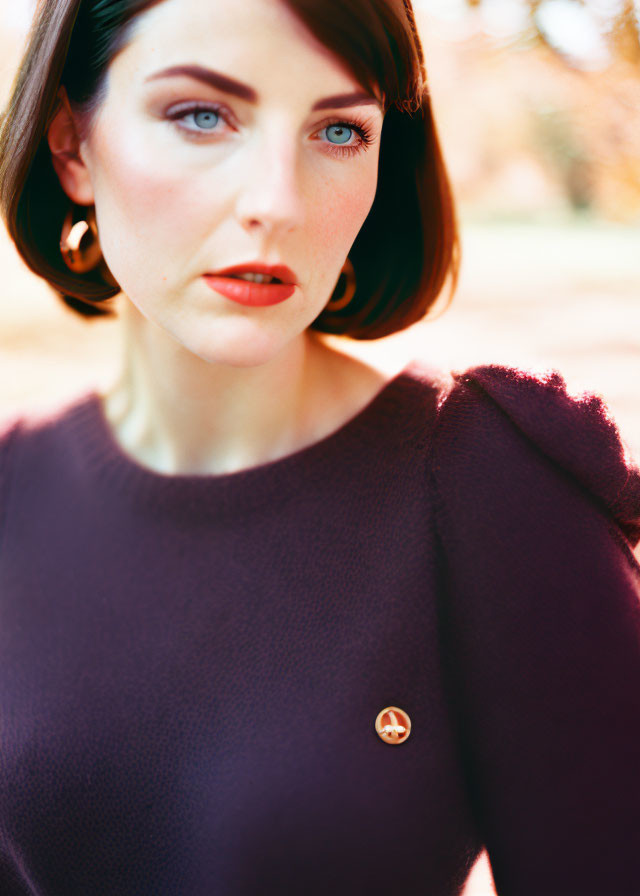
column 349, row 289
column 79, row 242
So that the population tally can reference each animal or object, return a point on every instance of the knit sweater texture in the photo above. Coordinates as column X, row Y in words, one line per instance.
column 191, row 666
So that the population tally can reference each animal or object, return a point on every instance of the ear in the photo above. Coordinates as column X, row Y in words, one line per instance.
column 67, row 161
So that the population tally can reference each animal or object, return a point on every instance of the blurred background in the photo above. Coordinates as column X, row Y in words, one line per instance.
column 538, row 104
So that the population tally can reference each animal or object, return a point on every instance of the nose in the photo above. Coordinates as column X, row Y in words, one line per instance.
column 273, row 190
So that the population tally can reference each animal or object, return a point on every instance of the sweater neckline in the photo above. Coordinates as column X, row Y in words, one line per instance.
column 104, row 456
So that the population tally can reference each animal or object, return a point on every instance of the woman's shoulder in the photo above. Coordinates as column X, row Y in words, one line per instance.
column 510, row 418
column 34, row 430
column 9, row 425
column 9, row 428
column 540, row 624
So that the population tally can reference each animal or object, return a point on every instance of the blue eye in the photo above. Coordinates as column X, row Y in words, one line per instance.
column 341, row 129
column 205, row 119
column 344, row 130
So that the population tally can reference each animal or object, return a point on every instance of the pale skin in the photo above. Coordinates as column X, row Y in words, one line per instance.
column 209, row 386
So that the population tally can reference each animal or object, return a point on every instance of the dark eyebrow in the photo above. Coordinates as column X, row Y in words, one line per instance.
column 230, row 85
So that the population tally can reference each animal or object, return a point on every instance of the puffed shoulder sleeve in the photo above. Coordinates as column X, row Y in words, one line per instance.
column 537, row 506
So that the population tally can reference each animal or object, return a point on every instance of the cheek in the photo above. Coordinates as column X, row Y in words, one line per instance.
column 146, row 201
column 138, row 192
column 340, row 210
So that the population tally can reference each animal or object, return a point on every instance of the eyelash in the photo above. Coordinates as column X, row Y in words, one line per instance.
column 365, row 135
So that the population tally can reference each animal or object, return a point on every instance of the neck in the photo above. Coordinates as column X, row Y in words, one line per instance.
column 177, row 413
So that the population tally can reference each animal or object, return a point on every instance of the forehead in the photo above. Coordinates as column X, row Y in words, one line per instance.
column 260, row 42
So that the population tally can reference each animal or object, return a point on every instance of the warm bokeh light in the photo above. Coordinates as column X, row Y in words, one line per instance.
column 583, row 30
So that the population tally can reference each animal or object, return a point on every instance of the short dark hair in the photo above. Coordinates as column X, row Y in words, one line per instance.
column 409, row 243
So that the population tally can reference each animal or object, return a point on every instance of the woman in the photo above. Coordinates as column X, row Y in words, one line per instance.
column 272, row 623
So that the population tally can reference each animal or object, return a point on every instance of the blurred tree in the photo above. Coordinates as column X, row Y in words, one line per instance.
column 622, row 34
column 625, row 34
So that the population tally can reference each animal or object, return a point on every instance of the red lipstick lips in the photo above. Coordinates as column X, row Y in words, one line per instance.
column 247, row 293
column 281, row 271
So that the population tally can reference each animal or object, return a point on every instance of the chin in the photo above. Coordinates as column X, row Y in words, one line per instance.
column 240, row 348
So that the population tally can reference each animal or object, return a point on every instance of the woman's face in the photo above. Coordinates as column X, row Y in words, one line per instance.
column 189, row 178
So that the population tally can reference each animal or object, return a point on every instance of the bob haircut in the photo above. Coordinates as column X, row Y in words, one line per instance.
column 409, row 242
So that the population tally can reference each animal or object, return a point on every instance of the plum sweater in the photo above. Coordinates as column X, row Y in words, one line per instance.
column 191, row 666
